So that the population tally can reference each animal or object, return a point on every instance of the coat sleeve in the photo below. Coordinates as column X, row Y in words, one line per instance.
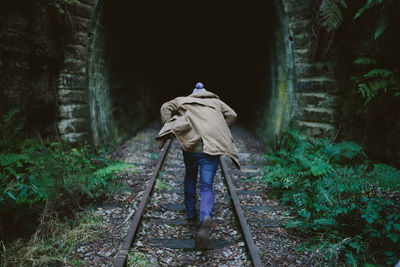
column 167, row 110
column 229, row 114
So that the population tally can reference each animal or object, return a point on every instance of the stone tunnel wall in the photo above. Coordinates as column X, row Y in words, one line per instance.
column 31, row 54
column 315, row 86
column 102, row 122
column 277, row 105
column 301, row 93
column 75, row 120
column 88, row 110
column 316, row 90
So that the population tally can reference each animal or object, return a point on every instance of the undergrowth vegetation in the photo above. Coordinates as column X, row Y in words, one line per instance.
column 374, row 72
column 348, row 205
column 37, row 173
column 55, row 243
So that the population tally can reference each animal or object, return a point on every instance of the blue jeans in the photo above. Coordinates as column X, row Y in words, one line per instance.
column 208, row 167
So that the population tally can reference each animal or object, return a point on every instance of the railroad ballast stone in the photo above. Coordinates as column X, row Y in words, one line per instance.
column 162, row 228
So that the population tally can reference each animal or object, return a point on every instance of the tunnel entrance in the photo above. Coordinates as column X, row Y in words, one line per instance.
column 154, row 51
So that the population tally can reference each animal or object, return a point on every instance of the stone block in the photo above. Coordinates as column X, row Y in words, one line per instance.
column 298, row 12
column 82, row 24
column 316, row 129
column 301, row 40
column 76, row 138
column 322, row 84
column 301, row 56
column 69, row 81
column 296, row 4
column 77, row 67
column 84, row 10
column 80, row 38
column 73, row 96
column 76, row 52
column 89, row 2
column 308, row 70
column 67, row 126
column 299, row 26
column 316, row 114
column 317, row 100
column 72, row 111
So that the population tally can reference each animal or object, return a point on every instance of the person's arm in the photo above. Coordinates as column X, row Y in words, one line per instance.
column 229, row 114
column 167, row 110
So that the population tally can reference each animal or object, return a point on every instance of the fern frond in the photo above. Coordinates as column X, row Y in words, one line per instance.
column 382, row 24
column 331, row 13
column 110, row 170
column 368, row 5
column 386, row 176
column 12, row 128
column 383, row 20
column 382, row 73
column 364, row 61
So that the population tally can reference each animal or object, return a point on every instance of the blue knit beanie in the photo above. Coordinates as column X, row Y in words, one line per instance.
column 199, row 85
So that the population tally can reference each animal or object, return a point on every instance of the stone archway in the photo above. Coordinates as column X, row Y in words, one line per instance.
column 301, row 93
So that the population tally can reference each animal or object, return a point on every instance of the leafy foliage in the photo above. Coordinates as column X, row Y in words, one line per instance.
column 375, row 81
column 336, row 193
column 54, row 244
column 382, row 22
column 136, row 258
column 332, row 16
column 327, row 16
column 11, row 130
column 33, row 173
column 364, row 61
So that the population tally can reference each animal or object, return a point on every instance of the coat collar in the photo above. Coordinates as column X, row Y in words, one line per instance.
column 204, row 94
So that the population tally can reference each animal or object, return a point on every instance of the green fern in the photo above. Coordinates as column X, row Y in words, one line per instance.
column 348, row 151
column 368, row 5
column 379, row 73
column 12, row 127
column 364, row 61
column 382, row 24
column 340, row 203
column 110, row 170
column 331, row 13
column 383, row 20
column 375, row 81
column 385, row 176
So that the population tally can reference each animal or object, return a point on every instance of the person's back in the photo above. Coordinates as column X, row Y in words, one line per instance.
column 209, row 120
column 200, row 122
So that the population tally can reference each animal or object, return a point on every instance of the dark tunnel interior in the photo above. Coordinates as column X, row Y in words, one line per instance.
column 167, row 46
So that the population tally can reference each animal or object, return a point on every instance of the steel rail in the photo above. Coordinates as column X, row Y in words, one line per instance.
column 123, row 253
column 239, row 212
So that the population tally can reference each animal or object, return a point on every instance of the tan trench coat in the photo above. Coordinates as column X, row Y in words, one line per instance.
column 200, row 117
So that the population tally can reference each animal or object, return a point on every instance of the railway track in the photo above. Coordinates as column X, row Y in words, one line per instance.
column 163, row 237
column 158, row 210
